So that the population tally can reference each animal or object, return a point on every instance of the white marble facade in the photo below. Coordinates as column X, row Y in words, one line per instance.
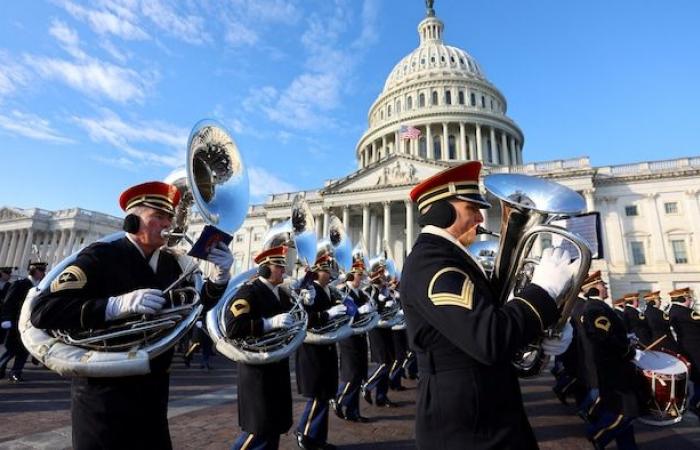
column 650, row 211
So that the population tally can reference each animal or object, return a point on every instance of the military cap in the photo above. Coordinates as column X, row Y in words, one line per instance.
column 592, row 279
column 36, row 265
column 358, row 268
column 631, row 297
column 377, row 271
column 652, row 297
column 275, row 256
column 7, row 270
column 322, row 264
column 460, row 182
column 680, row 294
column 153, row 194
column 619, row 301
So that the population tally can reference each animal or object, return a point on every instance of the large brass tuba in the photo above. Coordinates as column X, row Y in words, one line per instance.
column 297, row 233
column 214, row 179
column 528, row 205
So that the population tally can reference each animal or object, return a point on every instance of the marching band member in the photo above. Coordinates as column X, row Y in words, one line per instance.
column 619, row 308
column 353, row 353
column 380, row 341
column 686, row 323
column 264, row 390
column 469, row 394
column 14, row 299
column 634, row 319
column 5, row 277
column 317, row 365
column 107, row 282
column 658, row 322
column 611, row 404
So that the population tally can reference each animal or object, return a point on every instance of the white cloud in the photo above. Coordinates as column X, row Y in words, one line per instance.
column 119, row 21
column 67, row 38
column 93, row 77
column 31, row 126
column 189, row 28
column 12, row 75
column 263, row 183
column 130, row 138
column 238, row 34
column 114, row 52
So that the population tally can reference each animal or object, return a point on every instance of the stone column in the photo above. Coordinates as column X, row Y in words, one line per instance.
column 590, row 200
column 27, row 250
column 365, row 225
column 61, row 247
column 387, row 223
column 71, row 242
column 445, row 149
column 7, row 237
column 462, row 142
column 657, row 237
column 479, row 144
column 613, row 227
column 397, row 142
column 10, row 254
column 385, row 152
column 326, row 222
column 373, row 230
column 429, row 142
column 495, row 156
column 511, row 150
column 319, row 226
column 375, row 153
column 249, row 253
column 504, row 148
column 693, row 209
column 346, row 218
column 519, row 152
column 409, row 225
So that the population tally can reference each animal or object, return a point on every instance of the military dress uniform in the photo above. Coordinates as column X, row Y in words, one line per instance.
column 659, row 324
column 566, row 365
column 468, row 394
column 4, row 287
column 636, row 324
column 14, row 299
column 612, row 412
column 686, row 323
column 118, row 412
column 381, row 346
column 264, row 390
column 353, row 363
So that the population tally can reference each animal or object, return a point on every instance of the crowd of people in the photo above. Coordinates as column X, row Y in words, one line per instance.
column 447, row 328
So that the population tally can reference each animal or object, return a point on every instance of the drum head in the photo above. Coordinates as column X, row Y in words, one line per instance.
column 661, row 363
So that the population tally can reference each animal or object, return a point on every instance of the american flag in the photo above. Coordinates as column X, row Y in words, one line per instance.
column 408, row 132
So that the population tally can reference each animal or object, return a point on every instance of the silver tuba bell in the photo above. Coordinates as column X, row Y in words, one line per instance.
column 298, row 234
column 528, row 205
column 216, row 181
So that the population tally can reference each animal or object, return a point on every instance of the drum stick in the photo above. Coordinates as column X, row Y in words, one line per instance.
column 655, row 343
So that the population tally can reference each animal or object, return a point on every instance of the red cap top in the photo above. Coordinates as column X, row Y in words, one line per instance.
column 275, row 256
column 153, row 194
column 461, row 182
column 591, row 279
column 322, row 264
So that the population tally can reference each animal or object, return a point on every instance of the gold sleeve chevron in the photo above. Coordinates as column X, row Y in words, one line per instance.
column 602, row 323
column 239, row 306
column 459, row 291
column 72, row 277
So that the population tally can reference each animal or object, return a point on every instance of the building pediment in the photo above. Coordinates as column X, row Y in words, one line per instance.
column 11, row 214
column 397, row 170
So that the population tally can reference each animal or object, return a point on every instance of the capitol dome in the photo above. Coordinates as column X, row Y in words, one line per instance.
column 438, row 105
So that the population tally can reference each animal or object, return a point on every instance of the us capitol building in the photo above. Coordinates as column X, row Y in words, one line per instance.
column 650, row 211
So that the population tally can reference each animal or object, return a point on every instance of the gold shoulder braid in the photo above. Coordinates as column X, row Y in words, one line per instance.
column 451, row 286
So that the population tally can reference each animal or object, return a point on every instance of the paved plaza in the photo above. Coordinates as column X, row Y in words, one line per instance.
column 35, row 414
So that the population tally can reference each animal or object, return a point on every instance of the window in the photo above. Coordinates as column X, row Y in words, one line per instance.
column 435, row 98
column 398, row 106
column 388, row 111
column 679, row 253
column 638, row 258
column 421, row 100
column 483, row 101
column 422, row 148
column 409, row 103
column 631, row 210
column 461, row 97
column 437, row 149
column 451, row 147
column 671, row 207
column 239, row 238
column 448, row 97
column 472, row 99
column 491, row 104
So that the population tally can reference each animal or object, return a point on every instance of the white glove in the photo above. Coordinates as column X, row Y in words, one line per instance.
column 307, row 296
column 222, row 259
column 557, row 346
column 140, row 301
column 381, row 297
column 6, row 325
column 389, row 303
column 554, row 271
column 638, row 354
column 336, row 310
column 283, row 320
column 365, row 309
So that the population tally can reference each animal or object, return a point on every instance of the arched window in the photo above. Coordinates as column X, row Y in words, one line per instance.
column 472, row 99
column 461, row 97
column 437, row 149
column 421, row 100
column 435, row 98
column 483, row 101
column 448, row 97
column 398, row 106
column 422, row 148
column 409, row 103
column 451, row 147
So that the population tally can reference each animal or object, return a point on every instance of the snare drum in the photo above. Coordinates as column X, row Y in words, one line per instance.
column 666, row 377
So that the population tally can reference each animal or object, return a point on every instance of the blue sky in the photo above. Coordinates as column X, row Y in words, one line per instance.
column 97, row 96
